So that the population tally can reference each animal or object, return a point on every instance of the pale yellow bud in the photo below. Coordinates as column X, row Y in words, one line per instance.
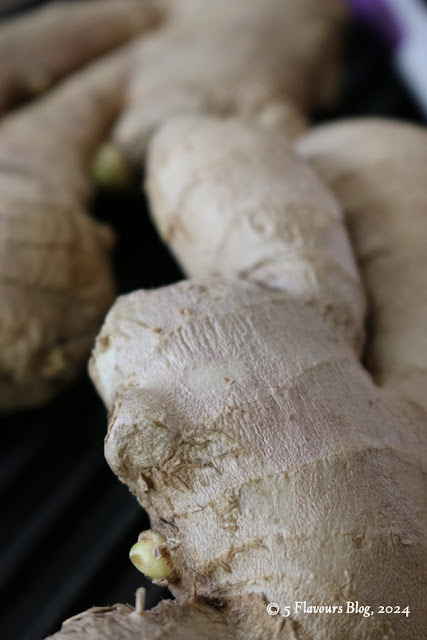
column 150, row 555
column 110, row 168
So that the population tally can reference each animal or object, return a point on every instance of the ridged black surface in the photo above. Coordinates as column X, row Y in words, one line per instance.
column 66, row 522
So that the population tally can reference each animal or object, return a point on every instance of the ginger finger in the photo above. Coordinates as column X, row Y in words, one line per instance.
column 241, row 417
column 55, row 272
column 41, row 46
column 229, row 56
column 285, row 231
column 378, row 170
column 191, row 620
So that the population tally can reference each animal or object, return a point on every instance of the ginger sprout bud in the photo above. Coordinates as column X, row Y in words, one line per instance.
column 150, row 555
column 110, row 168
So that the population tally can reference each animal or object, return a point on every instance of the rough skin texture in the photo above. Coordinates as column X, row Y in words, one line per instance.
column 55, row 274
column 43, row 45
column 240, row 414
column 283, row 229
column 192, row 619
column 230, row 56
column 378, row 171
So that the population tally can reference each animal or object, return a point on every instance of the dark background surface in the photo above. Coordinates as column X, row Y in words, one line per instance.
column 67, row 523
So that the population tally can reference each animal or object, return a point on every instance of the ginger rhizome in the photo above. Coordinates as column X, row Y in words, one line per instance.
column 227, row 56
column 276, row 467
column 56, row 282
column 42, row 45
column 378, row 171
column 232, row 56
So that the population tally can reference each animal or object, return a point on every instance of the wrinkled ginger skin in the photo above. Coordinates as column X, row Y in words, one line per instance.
column 378, row 170
column 42, row 45
column 244, row 422
column 56, row 282
column 285, row 230
column 192, row 619
column 230, row 56
column 246, row 428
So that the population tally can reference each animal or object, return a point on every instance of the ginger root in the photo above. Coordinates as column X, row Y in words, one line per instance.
column 189, row 620
column 55, row 273
column 226, row 56
column 283, row 231
column 378, row 171
column 41, row 46
column 232, row 56
column 241, row 417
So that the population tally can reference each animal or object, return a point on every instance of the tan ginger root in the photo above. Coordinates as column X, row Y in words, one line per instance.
column 232, row 56
column 41, row 46
column 55, row 274
column 191, row 620
column 378, row 170
column 213, row 233
column 240, row 414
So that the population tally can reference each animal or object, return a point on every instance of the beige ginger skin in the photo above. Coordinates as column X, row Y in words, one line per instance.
column 227, row 56
column 42, row 45
column 230, row 56
column 56, row 282
column 378, row 171
column 275, row 465
column 55, row 274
